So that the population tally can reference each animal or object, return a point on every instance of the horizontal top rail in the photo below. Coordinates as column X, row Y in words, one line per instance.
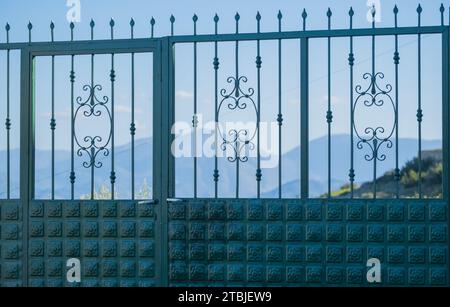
column 85, row 47
column 308, row 34
column 134, row 44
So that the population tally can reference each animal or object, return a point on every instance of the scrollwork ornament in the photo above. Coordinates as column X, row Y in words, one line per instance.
column 239, row 140
column 92, row 145
column 374, row 138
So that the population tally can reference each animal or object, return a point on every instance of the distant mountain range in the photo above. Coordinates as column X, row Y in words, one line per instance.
column 227, row 181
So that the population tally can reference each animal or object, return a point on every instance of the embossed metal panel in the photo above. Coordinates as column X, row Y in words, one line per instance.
column 114, row 240
column 11, row 244
column 314, row 242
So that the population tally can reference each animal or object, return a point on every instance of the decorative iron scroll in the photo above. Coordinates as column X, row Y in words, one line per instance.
column 92, row 146
column 374, row 137
column 239, row 140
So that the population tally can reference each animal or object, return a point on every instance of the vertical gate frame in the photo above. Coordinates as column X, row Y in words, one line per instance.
column 26, row 148
column 445, row 111
column 304, row 118
column 28, row 54
column 446, row 117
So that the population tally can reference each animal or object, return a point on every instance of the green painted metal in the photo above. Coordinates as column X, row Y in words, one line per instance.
column 217, row 242
column 273, row 242
column 304, row 120
column 13, row 255
column 115, row 242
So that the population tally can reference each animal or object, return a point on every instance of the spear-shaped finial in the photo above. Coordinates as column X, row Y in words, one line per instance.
column 442, row 10
column 152, row 25
column 72, row 26
column 373, row 12
column 52, row 28
column 396, row 15
column 279, row 16
column 172, row 21
column 195, row 19
column 258, row 22
column 216, row 21
column 92, row 25
column 7, row 28
column 132, row 23
column 304, row 16
column 30, row 27
column 351, row 13
column 419, row 9
column 237, row 17
column 419, row 13
column 112, row 23
column 329, row 14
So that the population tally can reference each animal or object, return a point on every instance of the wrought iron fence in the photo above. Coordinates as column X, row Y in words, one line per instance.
column 217, row 241
column 370, row 90
column 367, row 91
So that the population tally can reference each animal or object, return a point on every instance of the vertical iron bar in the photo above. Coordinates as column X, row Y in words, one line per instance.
column 373, row 90
column 216, row 102
column 92, row 24
column 396, row 62
column 419, row 102
column 304, row 109
column 329, row 116
column 72, row 120
column 237, row 17
column 280, row 115
column 132, row 125
column 52, row 120
column 194, row 118
column 113, row 79
column 351, row 61
column 8, row 119
column 258, row 113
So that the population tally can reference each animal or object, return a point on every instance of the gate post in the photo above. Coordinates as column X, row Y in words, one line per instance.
column 304, row 116
column 26, row 148
column 446, row 117
column 166, row 162
column 445, row 113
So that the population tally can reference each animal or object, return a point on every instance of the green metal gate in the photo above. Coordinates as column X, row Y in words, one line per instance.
column 222, row 241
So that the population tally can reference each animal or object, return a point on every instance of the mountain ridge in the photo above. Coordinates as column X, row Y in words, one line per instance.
column 227, row 184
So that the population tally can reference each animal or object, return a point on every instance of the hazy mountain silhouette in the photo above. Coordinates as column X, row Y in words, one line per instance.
column 227, row 180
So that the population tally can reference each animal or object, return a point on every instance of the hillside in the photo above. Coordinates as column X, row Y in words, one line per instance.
column 386, row 185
